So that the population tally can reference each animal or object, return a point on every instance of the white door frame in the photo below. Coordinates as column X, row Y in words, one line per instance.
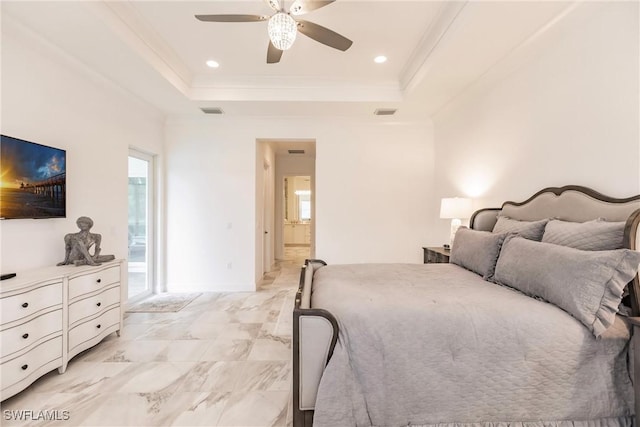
column 267, row 212
column 151, row 228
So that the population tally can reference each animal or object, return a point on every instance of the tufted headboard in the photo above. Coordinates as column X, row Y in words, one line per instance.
column 577, row 204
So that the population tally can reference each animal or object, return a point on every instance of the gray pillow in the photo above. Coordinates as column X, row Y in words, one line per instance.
column 586, row 284
column 597, row 235
column 476, row 250
column 531, row 230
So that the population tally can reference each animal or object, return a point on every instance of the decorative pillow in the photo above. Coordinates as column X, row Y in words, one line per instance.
column 531, row 230
column 586, row 284
column 596, row 235
column 476, row 250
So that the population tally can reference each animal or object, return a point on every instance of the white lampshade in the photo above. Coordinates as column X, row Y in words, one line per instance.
column 455, row 207
column 282, row 30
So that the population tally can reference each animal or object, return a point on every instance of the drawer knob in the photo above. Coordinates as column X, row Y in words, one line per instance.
column 24, row 367
column 25, row 304
column 99, row 304
column 98, row 326
column 25, row 336
column 99, row 280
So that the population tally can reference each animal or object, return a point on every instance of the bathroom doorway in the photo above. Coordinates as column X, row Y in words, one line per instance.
column 297, row 218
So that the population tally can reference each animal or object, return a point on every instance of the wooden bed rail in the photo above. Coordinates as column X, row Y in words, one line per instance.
column 635, row 343
column 631, row 240
column 304, row 418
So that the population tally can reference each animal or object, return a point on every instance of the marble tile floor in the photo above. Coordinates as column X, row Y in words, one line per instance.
column 295, row 255
column 224, row 360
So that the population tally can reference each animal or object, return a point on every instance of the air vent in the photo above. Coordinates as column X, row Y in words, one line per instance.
column 213, row 110
column 296, row 151
column 385, row 111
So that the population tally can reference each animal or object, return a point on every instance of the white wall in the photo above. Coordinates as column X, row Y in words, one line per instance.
column 373, row 187
column 53, row 100
column 374, row 192
column 568, row 115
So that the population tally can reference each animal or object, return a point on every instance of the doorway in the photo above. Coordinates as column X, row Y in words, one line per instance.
column 140, row 225
column 277, row 159
column 297, row 218
column 267, row 220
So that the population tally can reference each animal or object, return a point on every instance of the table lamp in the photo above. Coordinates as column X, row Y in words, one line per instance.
column 456, row 209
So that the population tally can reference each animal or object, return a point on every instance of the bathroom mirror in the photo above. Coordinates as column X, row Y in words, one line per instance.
column 297, row 199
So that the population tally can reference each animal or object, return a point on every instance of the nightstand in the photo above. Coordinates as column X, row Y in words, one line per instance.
column 436, row 255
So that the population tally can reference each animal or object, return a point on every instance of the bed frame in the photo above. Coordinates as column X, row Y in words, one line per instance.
column 315, row 331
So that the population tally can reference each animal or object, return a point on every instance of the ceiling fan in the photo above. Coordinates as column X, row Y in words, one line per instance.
column 283, row 27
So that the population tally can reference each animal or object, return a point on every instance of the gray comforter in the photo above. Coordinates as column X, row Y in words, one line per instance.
column 435, row 344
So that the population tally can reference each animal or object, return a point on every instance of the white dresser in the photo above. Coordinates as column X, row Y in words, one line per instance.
column 49, row 315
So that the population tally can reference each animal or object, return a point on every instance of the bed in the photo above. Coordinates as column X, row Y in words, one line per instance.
column 531, row 324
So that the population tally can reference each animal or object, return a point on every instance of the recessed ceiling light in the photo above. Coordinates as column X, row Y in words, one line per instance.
column 212, row 64
column 380, row 59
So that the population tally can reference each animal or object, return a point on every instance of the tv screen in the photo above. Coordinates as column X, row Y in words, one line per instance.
column 32, row 180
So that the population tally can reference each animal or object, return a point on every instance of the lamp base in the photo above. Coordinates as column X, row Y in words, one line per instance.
column 455, row 224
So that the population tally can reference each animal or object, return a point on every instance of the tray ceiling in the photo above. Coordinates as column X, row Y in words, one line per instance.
column 157, row 51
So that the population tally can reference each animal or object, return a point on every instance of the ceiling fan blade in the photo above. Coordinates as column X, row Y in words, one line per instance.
column 273, row 54
column 274, row 4
column 324, row 35
column 232, row 18
column 300, row 7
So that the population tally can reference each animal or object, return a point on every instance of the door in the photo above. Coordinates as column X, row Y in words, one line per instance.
column 141, row 224
column 267, row 211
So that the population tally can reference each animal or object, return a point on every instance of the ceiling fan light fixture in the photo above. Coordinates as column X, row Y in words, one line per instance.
column 282, row 30
column 274, row 4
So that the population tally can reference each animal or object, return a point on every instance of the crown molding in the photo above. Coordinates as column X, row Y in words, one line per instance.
column 516, row 57
column 27, row 36
column 418, row 64
column 295, row 89
column 125, row 21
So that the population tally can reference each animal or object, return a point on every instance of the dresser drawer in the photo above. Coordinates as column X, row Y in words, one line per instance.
column 25, row 304
column 92, row 328
column 20, row 368
column 91, row 282
column 93, row 305
column 28, row 333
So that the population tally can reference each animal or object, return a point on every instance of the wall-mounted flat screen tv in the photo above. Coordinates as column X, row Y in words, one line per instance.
column 32, row 180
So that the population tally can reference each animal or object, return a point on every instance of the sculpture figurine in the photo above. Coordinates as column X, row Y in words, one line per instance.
column 77, row 245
